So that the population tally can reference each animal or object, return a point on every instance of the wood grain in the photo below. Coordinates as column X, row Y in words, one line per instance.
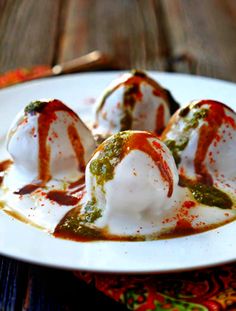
column 33, row 288
column 28, row 32
column 203, row 36
column 53, row 289
column 13, row 281
column 129, row 31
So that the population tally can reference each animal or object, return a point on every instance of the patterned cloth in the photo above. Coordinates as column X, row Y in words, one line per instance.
column 208, row 289
column 205, row 290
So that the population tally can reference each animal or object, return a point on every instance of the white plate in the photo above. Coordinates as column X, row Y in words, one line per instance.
column 30, row 244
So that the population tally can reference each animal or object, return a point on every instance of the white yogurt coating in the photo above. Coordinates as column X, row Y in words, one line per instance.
column 133, row 101
column 218, row 164
column 137, row 199
column 23, row 144
column 35, row 208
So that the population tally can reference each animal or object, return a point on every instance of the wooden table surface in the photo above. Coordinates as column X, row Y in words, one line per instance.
column 191, row 36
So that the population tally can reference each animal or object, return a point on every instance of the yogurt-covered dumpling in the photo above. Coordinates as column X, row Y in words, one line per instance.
column 48, row 141
column 202, row 138
column 130, row 184
column 134, row 101
column 50, row 147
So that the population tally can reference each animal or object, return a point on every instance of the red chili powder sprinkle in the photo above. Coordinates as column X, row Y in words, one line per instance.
column 189, row 204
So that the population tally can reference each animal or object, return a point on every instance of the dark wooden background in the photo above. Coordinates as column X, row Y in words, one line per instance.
column 192, row 36
column 171, row 35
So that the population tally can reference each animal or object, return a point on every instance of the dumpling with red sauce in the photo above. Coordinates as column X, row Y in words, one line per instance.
column 49, row 141
column 49, row 146
column 202, row 138
column 131, row 184
column 134, row 101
